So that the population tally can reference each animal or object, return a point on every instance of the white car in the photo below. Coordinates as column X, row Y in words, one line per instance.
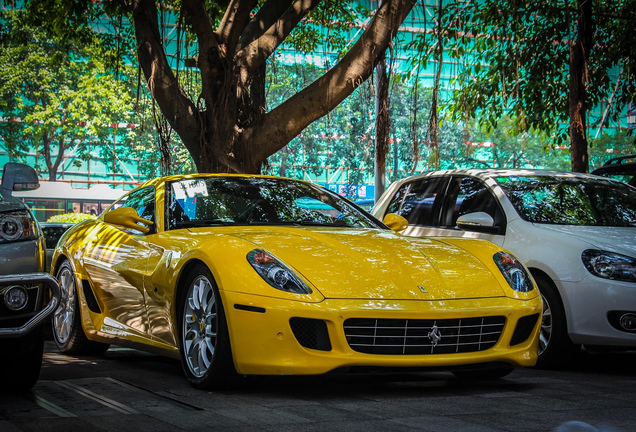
column 575, row 232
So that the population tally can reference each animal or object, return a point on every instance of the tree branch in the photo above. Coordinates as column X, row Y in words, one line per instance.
column 266, row 16
column 235, row 20
column 275, row 129
column 162, row 83
column 254, row 54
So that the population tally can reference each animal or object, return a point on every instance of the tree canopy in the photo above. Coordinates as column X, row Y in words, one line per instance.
column 528, row 72
column 545, row 64
column 54, row 96
column 228, row 126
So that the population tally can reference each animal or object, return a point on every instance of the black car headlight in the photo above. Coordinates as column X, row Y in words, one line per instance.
column 514, row 272
column 609, row 265
column 16, row 226
column 275, row 273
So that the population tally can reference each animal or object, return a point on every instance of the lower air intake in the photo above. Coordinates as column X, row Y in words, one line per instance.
column 524, row 329
column 311, row 333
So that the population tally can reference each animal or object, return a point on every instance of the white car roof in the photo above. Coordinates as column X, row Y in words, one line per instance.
column 491, row 173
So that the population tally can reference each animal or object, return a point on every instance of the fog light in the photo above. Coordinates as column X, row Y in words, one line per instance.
column 16, row 297
column 628, row 321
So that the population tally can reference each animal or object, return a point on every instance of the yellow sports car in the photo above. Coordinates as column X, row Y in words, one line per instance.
column 240, row 275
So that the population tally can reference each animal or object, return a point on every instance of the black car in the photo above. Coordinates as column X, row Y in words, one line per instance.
column 620, row 168
column 27, row 294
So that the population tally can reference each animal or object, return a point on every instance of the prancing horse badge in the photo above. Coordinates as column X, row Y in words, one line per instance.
column 421, row 287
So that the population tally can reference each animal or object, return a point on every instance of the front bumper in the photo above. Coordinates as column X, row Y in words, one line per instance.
column 263, row 342
column 590, row 306
column 37, row 317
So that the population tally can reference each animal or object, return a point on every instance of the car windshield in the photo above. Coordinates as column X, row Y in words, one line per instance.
column 212, row 201
column 571, row 200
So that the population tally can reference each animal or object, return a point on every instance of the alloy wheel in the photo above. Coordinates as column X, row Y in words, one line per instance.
column 65, row 312
column 546, row 326
column 200, row 324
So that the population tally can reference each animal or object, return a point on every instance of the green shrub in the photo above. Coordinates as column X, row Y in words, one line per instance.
column 70, row 217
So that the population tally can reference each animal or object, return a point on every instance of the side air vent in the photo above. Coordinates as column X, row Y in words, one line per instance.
column 91, row 301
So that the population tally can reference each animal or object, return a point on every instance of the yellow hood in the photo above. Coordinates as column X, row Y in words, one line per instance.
column 373, row 264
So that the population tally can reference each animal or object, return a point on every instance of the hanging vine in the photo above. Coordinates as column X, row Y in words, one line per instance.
column 433, row 123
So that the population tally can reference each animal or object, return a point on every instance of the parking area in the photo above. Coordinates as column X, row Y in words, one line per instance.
column 129, row 390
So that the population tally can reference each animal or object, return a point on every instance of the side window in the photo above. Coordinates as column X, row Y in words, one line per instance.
column 143, row 202
column 470, row 195
column 418, row 200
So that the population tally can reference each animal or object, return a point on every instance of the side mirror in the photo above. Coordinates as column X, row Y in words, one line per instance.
column 395, row 222
column 478, row 221
column 127, row 218
column 18, row 177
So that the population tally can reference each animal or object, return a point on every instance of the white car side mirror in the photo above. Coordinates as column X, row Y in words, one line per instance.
column 475, row 221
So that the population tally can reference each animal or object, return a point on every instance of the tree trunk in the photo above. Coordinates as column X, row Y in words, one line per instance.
column 228, row 130
column 381, row 126
column 52, row 163
column 579, row 56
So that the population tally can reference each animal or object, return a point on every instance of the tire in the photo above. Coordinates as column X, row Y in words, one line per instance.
column 484, row 374
column 21, row 370
column 68, row 333
column 555, row 346
column 204, row 342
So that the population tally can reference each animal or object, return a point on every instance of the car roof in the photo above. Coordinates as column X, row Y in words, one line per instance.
column 510, row 172
column 158, row 180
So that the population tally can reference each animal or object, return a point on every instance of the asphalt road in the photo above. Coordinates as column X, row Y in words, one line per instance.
column 128, row 390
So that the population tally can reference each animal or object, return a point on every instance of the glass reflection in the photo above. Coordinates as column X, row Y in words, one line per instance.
column 210, row 201
column 571, row 200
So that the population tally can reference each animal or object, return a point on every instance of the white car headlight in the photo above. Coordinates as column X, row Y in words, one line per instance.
column 609, row 265
column 275, row 273
column 16, row 226
column 514, row 272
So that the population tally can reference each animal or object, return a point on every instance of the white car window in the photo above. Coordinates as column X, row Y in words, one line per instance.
column 418, row 201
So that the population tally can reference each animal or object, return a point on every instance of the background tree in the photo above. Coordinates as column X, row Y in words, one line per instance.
column 512, row 149
column 55, row 97
column 546, row 64
column 227, row 126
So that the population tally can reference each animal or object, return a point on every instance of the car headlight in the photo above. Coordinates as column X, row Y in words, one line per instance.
column 609, row 265
column 16, row 226
column 275, row 273
column 514, row 272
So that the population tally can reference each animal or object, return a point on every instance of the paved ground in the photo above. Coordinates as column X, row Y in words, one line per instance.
column 127, row 390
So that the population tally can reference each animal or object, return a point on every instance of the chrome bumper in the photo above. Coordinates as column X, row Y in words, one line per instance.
column 32, row 278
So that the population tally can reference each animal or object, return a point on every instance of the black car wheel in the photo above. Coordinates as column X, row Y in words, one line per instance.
column 204, row 341
column 555, row 346
column 67, row 322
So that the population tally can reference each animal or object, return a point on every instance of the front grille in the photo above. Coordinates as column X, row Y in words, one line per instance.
column 413, row 336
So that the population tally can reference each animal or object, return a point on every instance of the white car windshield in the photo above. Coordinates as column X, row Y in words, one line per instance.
column 571, row 200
